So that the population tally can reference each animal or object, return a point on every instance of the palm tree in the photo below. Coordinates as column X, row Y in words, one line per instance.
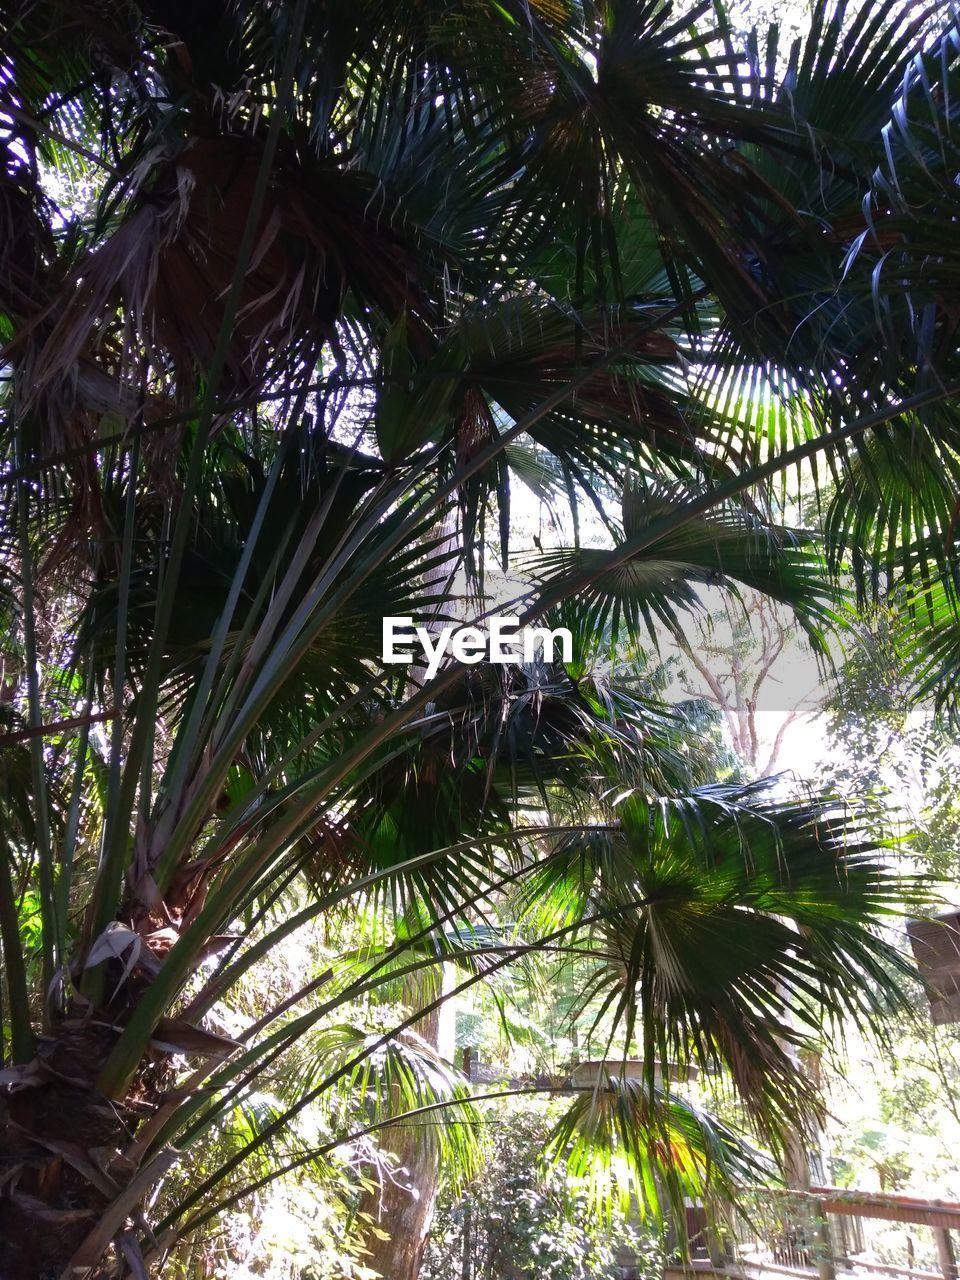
column 286, row 289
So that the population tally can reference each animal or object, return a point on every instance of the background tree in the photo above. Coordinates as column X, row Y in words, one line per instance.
column 750, row 665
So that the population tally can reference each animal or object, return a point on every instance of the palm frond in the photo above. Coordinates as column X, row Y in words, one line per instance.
column 726, row 548
column 624, row 1146
column 743, row 924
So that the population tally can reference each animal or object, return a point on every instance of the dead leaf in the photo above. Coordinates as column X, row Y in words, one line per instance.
column 173, row 1035
column 28, row 1076
column 115, row 940
column 74, row 1155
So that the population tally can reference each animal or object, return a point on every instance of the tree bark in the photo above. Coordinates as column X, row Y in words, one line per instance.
column 57, row 1136
column 401, row 1209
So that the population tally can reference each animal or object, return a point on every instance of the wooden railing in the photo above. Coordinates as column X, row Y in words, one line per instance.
column 826, row 1230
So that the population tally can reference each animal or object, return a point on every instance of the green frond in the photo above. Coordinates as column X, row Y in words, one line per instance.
column 726, row 548
column 391, row 1087
column 741, row 925
column 624, row 1146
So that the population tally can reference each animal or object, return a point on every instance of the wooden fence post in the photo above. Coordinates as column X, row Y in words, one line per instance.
column 945, row 1253
column 826, row 1263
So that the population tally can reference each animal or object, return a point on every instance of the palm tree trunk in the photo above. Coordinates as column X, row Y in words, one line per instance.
column 54, row 1128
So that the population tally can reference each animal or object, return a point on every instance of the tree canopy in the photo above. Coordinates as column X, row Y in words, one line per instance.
column 298, row 301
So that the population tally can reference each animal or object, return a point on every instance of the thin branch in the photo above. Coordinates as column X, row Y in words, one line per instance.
column 788, row 720
column 56, row 726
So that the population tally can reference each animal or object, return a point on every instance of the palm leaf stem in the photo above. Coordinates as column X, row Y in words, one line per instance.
column 115, row 852
column 72, row 827
column 138, row 1031
column 21, row 1033
column 181, row 755
column 278, row 1042
column 399, row 719
column 39, row 129
column 270, row 665
column 51, row 937
column 267, row 649
column 698, row 506
column 221, row 901
column 56, row 727
column 282, row 1120
column 123, row 440
column 140, row 1027
column 106, row 889
column 222, row 982
column 165, row 1238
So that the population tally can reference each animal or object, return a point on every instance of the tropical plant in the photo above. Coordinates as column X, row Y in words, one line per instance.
column 293, row 297
column 515, row 1223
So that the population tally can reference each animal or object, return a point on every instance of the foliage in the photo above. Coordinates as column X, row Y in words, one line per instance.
column 292, row 295
column 890, row 749
column 521, row 1219
column 898, row 1128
